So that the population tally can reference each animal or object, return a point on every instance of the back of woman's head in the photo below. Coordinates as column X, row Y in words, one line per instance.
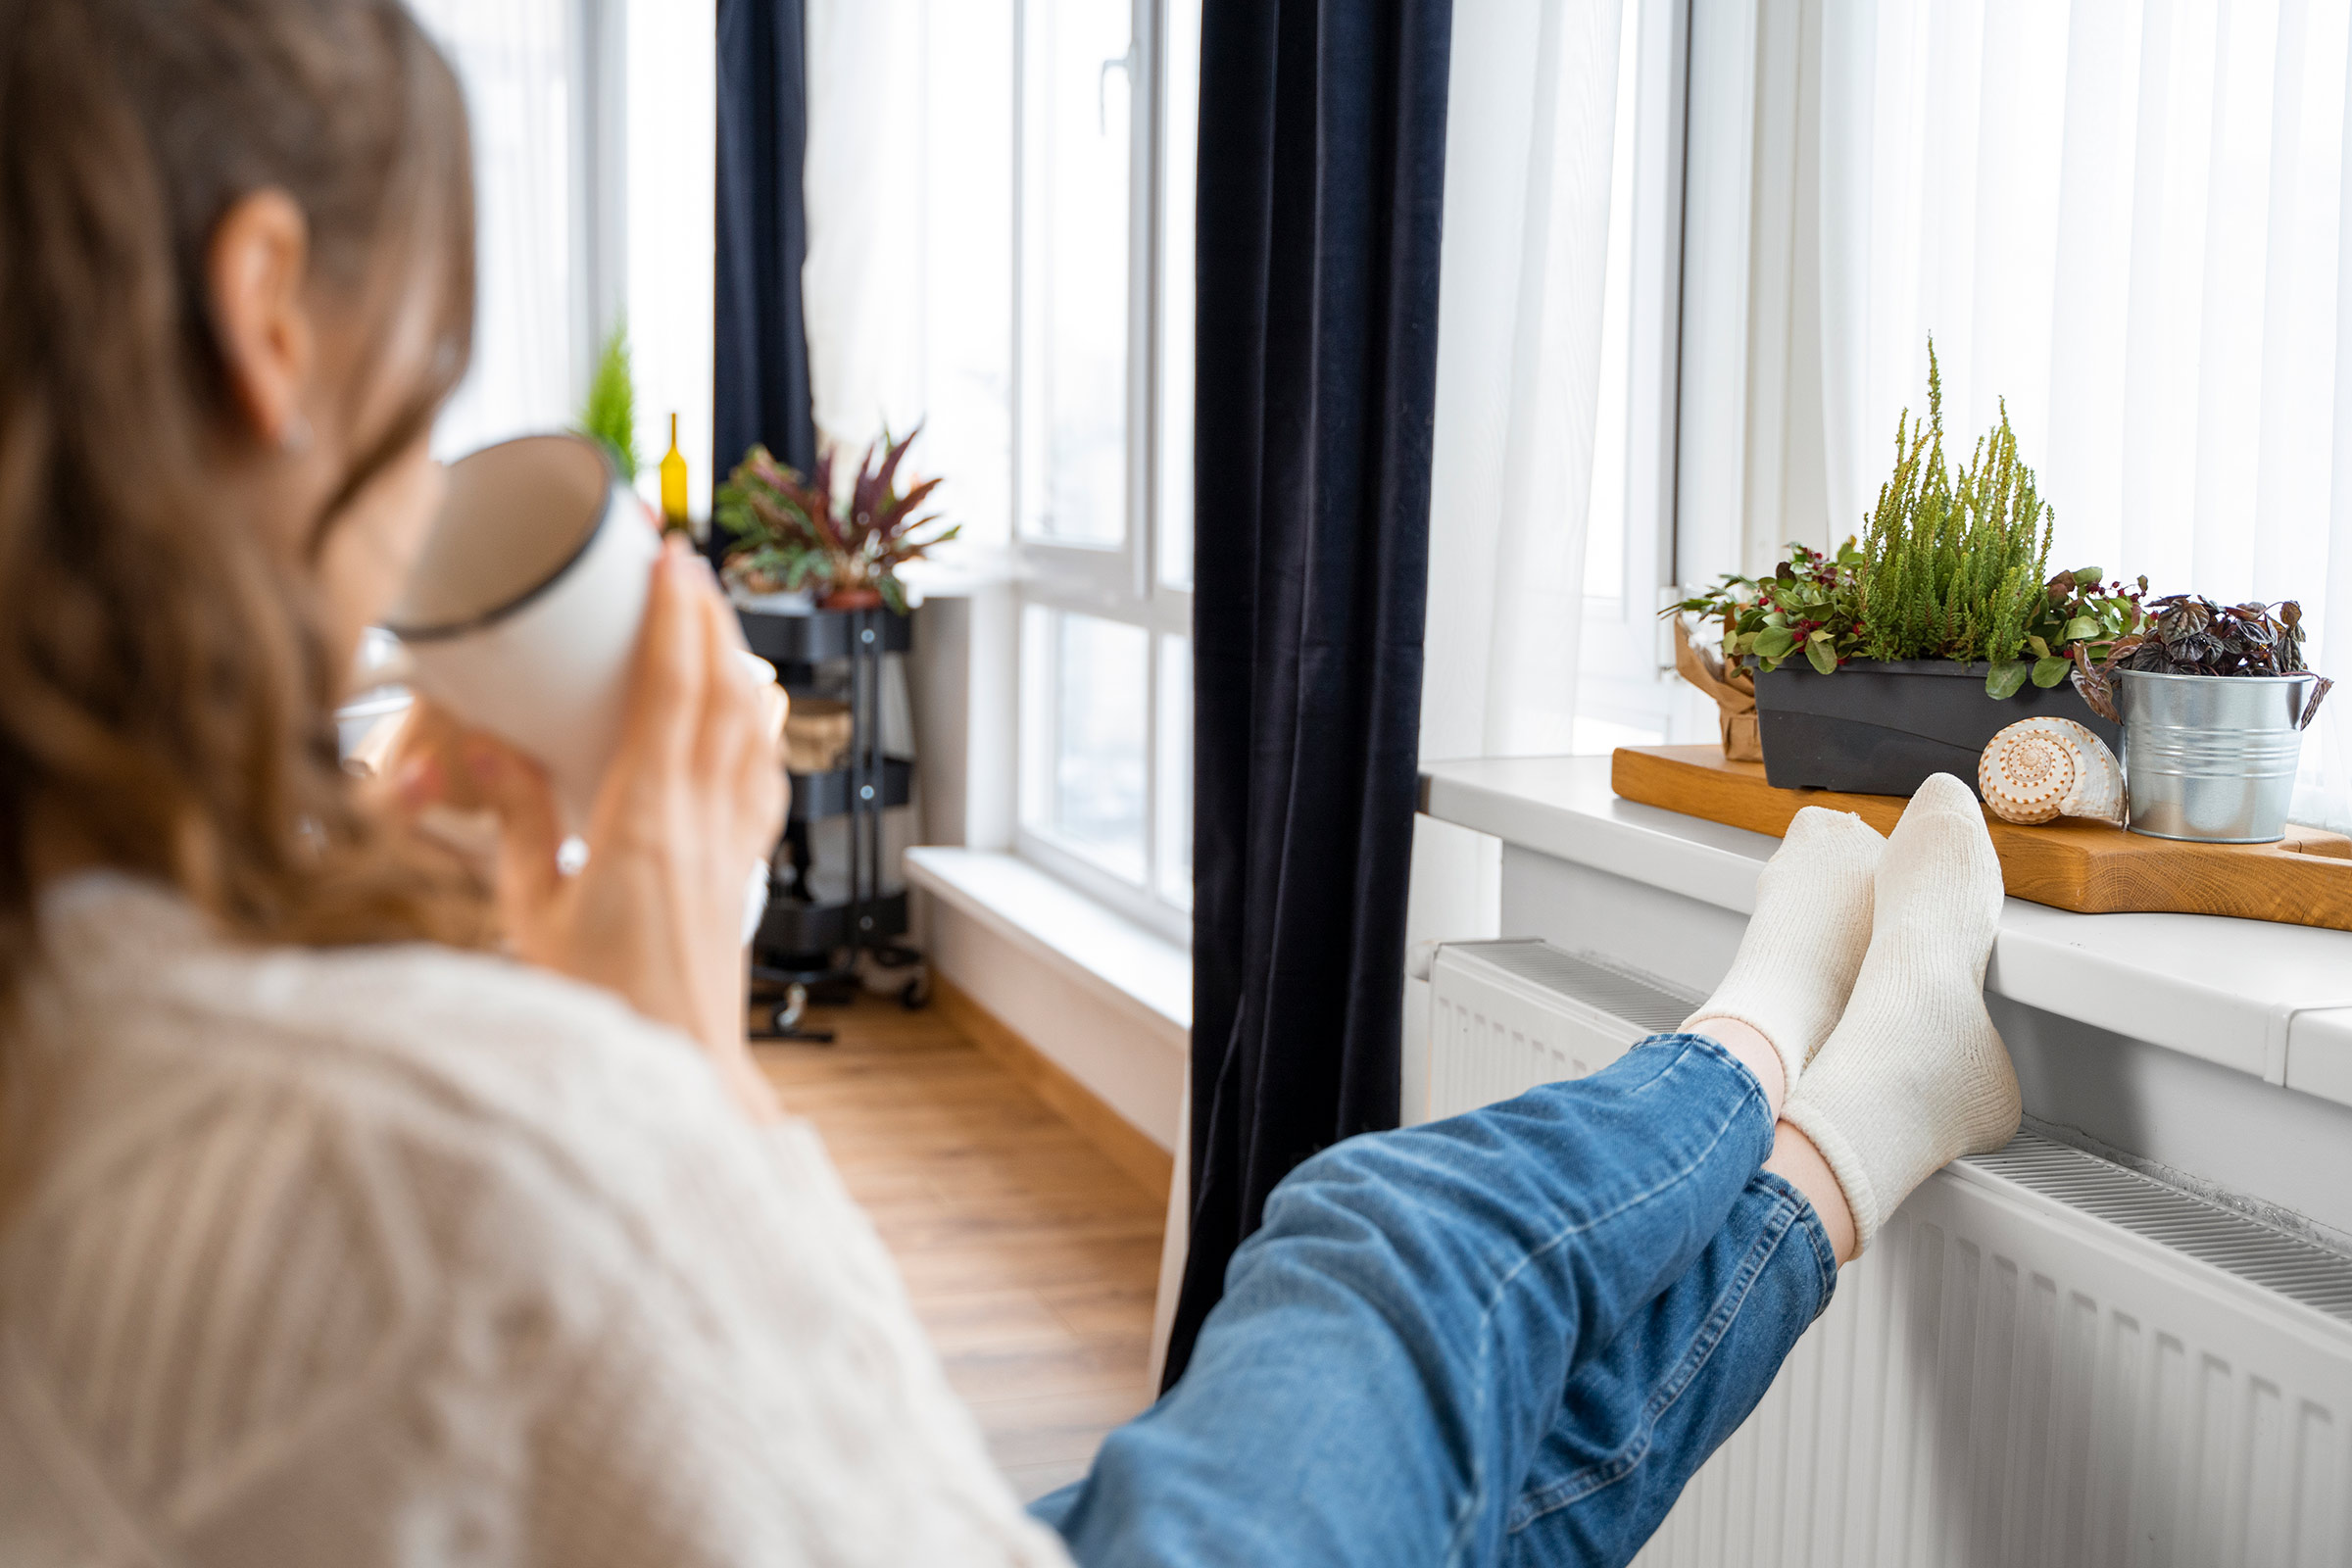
column 165, row 691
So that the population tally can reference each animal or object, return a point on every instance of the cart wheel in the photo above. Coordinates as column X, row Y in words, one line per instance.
column 915, row 994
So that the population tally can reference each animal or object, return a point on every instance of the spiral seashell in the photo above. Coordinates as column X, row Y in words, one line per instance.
column 2041, row 768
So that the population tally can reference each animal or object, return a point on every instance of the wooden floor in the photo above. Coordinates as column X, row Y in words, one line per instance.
column 1031, row 1257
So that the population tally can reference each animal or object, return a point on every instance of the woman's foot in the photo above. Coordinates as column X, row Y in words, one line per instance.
column 1805, row 942
column 1915, row 1075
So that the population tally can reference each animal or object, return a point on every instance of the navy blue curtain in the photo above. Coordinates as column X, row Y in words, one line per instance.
column 1322, row 170
column 760, row 363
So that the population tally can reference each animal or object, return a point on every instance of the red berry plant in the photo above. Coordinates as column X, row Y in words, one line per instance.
column 1812, row 606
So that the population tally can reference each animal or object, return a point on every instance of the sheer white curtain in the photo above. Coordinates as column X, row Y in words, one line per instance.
column 1528, row 142
column 1531, row 123
column 2127, row 221
column 908, row 282
column 862, row 187
column 663, row 183
column 516, row 61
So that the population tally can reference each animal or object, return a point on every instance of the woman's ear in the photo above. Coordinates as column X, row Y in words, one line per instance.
column 255, row 268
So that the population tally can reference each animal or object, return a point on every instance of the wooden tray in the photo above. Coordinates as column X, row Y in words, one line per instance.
column 2088, row 867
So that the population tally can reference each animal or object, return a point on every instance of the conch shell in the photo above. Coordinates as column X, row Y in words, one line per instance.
column 2040, row 768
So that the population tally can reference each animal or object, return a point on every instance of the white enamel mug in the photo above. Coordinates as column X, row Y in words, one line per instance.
column 522, row 614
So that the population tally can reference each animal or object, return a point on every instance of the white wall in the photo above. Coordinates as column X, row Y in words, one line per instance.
column 963, row 685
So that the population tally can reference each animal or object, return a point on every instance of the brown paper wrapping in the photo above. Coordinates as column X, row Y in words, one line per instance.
column 1735, row 695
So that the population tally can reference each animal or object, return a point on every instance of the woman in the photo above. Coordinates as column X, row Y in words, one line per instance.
column 323, row 1238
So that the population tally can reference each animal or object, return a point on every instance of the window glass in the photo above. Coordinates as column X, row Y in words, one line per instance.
column 1082, row 106
column 1103, row 458
column 1101, row 688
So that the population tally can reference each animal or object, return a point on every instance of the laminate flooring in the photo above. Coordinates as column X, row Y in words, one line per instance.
column 1030, row 1257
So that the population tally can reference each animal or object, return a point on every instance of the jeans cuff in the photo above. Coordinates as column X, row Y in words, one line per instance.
column 1807, row 1224
column 1716, row 1050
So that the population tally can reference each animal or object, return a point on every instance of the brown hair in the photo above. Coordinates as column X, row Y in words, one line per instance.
column 164, row 683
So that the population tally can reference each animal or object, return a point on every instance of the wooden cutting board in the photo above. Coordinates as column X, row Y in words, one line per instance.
column 2088, row 867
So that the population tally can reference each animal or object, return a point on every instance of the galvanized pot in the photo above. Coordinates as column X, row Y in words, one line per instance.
column 2211, row 758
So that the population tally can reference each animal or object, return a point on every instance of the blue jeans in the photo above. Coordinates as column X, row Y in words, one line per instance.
column 1506, row 1337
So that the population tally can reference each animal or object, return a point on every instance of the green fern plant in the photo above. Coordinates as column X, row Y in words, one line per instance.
column 610, row 415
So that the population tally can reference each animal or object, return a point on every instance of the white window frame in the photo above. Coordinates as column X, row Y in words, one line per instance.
column 1119, row 583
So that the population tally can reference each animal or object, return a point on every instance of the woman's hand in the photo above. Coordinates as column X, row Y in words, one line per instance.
column 694, row 800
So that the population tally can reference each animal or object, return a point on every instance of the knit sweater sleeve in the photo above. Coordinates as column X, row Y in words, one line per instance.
column 823, row 1431
column 516, row 1287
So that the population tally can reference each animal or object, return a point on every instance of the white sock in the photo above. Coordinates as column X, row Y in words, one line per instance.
column 1807, row 940
column 1914, row 1075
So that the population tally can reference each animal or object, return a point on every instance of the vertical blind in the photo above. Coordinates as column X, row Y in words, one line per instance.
column 2126, row 221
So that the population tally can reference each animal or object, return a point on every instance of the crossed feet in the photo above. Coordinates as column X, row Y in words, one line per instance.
column 1857, row 999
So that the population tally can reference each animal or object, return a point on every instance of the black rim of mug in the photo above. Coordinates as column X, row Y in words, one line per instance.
column 493, row 616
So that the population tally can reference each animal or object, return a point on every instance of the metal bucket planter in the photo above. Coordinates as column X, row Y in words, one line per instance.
column 2211, row 758
column 1877, row 728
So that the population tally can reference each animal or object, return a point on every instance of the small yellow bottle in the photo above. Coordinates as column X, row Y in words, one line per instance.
column 673, row 483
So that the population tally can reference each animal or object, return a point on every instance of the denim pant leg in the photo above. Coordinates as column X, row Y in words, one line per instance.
column 1393, row 1344
column 1639, row 1418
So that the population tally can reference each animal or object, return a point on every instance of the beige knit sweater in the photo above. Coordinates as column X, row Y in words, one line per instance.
column 399, row 1256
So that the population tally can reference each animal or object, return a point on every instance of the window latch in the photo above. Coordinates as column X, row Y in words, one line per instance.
column 1123, row 65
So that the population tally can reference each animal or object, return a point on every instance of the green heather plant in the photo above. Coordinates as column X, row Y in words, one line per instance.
column 1952, row 569
column 1956, row 566
column 1810, row 605
column 611, row 411
column 1948, row 568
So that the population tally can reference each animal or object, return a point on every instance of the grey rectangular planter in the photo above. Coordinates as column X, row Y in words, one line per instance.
column 1883, row 728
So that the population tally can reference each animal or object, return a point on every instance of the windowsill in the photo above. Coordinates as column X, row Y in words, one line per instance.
column 970, row 569
column 1123, row 963
column 2270, row 1001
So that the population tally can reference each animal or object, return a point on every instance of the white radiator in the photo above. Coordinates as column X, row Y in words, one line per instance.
column 2046, row 1360
column 1505, row 1017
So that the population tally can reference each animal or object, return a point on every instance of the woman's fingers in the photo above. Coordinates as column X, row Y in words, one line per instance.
column 666, row 692
column 730, row 700
column 762, row 782
column 530, row 827
column 419, row 757
column 761, row 793
column 652, row 760
column 775, row 702
column 766, row 793
column 738, row 749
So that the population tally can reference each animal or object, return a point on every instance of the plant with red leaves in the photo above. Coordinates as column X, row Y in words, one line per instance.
column 2187, row 634
column 790, row 533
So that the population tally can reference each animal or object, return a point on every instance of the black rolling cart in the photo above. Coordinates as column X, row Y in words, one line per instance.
column 809, row 944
